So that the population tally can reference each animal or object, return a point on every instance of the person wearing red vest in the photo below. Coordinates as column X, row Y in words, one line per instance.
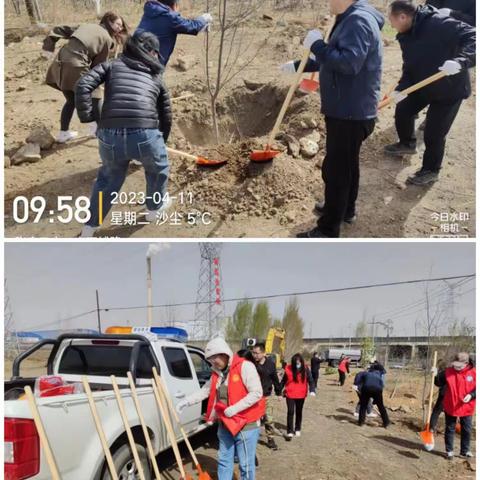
column 297, row 381
column 459, row 401
column 235, row 400
column 343, row 369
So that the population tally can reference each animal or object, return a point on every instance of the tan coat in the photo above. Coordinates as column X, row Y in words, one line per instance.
column 87, row 46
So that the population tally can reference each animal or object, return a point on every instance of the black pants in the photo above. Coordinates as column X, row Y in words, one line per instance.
column 377, row 396
column 294, row 408
column 465, row 435
column 341, row 171
column 315, row 376
column 436, row 412
column 69, row 108
column 341, row 377
column 440, row 117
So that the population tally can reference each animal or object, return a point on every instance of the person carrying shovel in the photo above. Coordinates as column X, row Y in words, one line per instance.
column 235, row 399
column 430, row 41
column 350, row 67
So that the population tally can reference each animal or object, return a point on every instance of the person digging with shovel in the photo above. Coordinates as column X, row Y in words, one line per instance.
column 235, row 400
column 430, row 41
column 350, row 67
column 459, row 401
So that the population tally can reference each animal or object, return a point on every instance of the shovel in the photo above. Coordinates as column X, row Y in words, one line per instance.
column 202, row 475
column 98, row 425
column 269, row 154
column 170, row 432
column 148, row 441
column 414, row 88
column 128, row 430
column 202, row 161
column 52, row 465
column 426, row 435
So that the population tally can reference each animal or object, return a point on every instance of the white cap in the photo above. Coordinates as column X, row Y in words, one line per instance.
column 217, row 346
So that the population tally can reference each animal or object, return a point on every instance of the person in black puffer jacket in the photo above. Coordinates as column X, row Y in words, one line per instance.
column 135, row 123
column 430, row 42
column 463, row 10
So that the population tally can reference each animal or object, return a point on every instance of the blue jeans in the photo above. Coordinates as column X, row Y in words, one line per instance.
column 465, row 436
column 244, row 444
column 117, row 146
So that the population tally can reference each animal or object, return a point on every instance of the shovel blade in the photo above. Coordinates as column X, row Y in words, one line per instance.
column 308, row 85
column 428, row 439
column 263, row 155
column 202, row 475
column 205, row 162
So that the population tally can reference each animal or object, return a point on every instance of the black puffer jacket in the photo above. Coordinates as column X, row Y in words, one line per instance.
column 135, row 97
column 464, row 10
column 431, row 41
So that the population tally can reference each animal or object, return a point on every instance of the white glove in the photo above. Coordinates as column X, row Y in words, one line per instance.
column 181, row 406
column 355, row 388
column 313, row 394
column 311, row 38
column 46, row 54
column 397, row 96
column 206, row 17
column 288, row 67
column 445, row 11
column 451, row 67
column 229, row 412
column 434, row 370
column 467, row 398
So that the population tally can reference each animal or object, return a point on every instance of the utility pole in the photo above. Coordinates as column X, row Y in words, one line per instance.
column 149, row 292
column 98, row 313
column 388, row 326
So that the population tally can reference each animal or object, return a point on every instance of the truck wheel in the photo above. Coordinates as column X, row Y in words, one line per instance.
column 125, row 464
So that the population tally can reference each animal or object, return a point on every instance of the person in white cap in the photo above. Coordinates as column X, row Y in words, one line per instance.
column 235, row 399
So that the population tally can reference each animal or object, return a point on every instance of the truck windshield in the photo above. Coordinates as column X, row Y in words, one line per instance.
column 104, row 360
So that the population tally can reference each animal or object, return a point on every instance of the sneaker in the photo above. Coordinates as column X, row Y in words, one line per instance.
column 66, row 136
column 314, row 233
column 137, row 163
column 88, row 231
column 298, row 433
column 271, row 444
column 399, row 149
column 290, row 436
column 450, row 456
column 467, row 455
column 152, row 215
column 356, row 414
column 372, row 415
column 319, row 206
column 423, row 177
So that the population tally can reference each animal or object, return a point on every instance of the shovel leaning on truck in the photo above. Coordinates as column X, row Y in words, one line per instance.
column 202, row 475
column 52, row 464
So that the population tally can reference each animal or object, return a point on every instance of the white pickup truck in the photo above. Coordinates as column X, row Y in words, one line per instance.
column 67, row 419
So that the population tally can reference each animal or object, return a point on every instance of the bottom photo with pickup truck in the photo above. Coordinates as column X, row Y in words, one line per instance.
column 239, row 360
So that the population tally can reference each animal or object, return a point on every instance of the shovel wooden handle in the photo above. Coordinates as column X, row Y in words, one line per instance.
column 153, row 459
column 183, row 154
column 430, row 400
column 98, row 426
column 168, row 426
column 128, row 430
column 289, row 97
column 414, row 88
column 163, row 390
column 52, row 465
column 183, row 97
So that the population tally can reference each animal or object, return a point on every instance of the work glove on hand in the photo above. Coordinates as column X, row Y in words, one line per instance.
column 451, row 67
column 229, row 412
column 467, row 398
column 288, row 67
column 46, row 54
column 181, row 406
column 355, row 388
column 434, row 370
column 206, row 17
column 397, row 96
column 311, row 38
column 445, row 11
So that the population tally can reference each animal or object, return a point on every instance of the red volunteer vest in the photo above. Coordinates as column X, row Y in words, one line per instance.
column 295, row 389
column 236, row 390
column 459, row 384
column 343, row 365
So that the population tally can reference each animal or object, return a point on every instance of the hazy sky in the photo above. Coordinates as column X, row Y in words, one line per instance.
column 48, row 282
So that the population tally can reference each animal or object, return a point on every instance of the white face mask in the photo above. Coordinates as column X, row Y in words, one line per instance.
column 298, row 365
column 458, row 368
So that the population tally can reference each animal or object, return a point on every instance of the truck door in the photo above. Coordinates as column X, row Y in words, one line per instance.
column 181, row 382
column 203, row 370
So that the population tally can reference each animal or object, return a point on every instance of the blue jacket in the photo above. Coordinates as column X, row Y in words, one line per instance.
column 350, row 64
column 433, row 39
column 372, row 380
column 166, row 24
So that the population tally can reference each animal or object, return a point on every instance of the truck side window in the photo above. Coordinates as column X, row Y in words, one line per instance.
column 177, row 362
column 202, row 367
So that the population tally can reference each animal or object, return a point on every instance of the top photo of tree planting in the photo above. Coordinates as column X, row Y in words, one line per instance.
column 240, row 118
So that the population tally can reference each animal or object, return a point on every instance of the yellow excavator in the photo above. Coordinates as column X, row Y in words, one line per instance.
column 274, row 345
